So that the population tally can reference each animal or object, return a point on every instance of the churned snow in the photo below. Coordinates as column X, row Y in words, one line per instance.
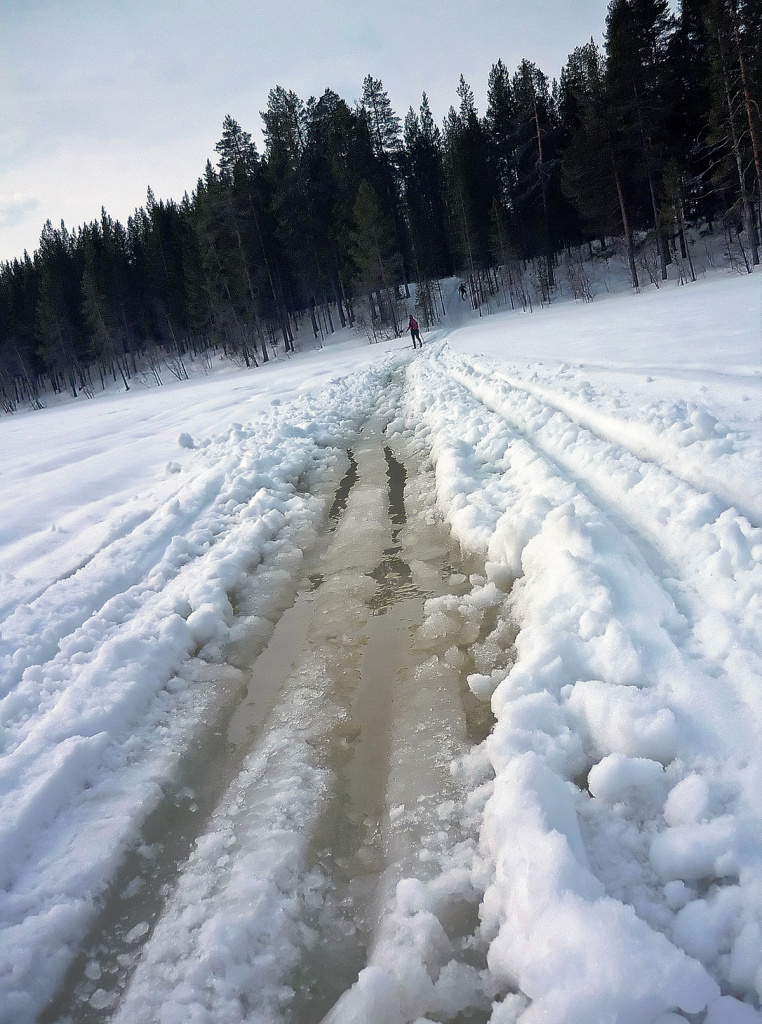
column 604, row 463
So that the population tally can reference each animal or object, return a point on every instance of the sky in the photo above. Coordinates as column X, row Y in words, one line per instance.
column 100, row 99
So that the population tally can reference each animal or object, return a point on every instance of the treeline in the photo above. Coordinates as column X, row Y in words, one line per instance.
column 657, row 130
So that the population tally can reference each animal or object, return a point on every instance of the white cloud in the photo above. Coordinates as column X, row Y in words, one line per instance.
column 77, row 179
column 15, row 208
column 99, row 98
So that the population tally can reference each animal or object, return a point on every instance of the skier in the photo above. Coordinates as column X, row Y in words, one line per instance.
column 462, row 291
column 415, row 333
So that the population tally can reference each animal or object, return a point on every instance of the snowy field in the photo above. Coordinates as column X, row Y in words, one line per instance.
column 596, row 859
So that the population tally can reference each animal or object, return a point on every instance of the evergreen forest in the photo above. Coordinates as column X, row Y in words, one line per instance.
column 640, row 146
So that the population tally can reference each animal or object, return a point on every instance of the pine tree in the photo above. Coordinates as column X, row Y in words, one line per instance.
column 637, row 42
column 734, row 115
column 105, row 276
column 500, row 125
column 536, row 164
column 285, row 131
column 384, row 123
column 233, row 284
column 58, row 319
column 241, row 173
column 593, row 162
column 338, row 156
column 470, row 186
column 21, row 366
column 375, row 252
column 424, row 191
column 384, row 128
column 687, row 101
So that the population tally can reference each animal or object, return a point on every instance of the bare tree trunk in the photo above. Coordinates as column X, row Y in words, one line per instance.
column 747, row 101
column 747, row 213
column 544, row 190
column 684, row 246
column 626, row 226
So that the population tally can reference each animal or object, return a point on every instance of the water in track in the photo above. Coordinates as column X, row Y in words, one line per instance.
column 404, row 713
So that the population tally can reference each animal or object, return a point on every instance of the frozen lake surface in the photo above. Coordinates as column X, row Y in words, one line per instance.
column 379, row 686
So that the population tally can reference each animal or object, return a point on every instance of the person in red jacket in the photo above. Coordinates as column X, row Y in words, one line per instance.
column 415, row 333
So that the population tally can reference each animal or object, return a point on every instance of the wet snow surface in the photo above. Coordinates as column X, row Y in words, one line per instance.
column 378, row 686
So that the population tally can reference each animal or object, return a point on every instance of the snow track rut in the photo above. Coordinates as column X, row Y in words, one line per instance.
column 354, row 718
column 102, row 683
column 659, row 510
column 637, row 665
column 646, row 444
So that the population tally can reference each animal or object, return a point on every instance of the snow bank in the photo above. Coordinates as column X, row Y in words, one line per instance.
column 624, row 831
column 98, row 693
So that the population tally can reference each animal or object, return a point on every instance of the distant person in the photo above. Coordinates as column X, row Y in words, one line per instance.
column 462, row 291
column 415, row 333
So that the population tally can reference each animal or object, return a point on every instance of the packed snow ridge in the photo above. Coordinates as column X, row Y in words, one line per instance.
column 603, row 464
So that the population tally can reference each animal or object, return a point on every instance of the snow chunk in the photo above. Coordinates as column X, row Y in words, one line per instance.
column 625, row 720
column 457, row 988
column 703, row 850
column 101, row 999
column 688, row 801
column 615, row 776
column 727, row 1010
column 412, row 896
column 538, row 723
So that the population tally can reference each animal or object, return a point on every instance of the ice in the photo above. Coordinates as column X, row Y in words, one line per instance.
column 482, row 686
column 137, row 932
column 102, row 999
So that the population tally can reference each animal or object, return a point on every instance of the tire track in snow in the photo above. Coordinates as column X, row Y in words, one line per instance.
column 27, row 591
column 92, row 732
column 643, row 444
column 292, row 856
column 36, row 632
column 608, row 678
column 679, row 617
column 659, row 512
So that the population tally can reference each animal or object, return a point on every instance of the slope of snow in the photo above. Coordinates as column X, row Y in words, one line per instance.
column 608, row 458
column 627, row 744
column 98, row 691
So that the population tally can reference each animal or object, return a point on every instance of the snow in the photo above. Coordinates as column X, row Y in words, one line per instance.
column 602, row 463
